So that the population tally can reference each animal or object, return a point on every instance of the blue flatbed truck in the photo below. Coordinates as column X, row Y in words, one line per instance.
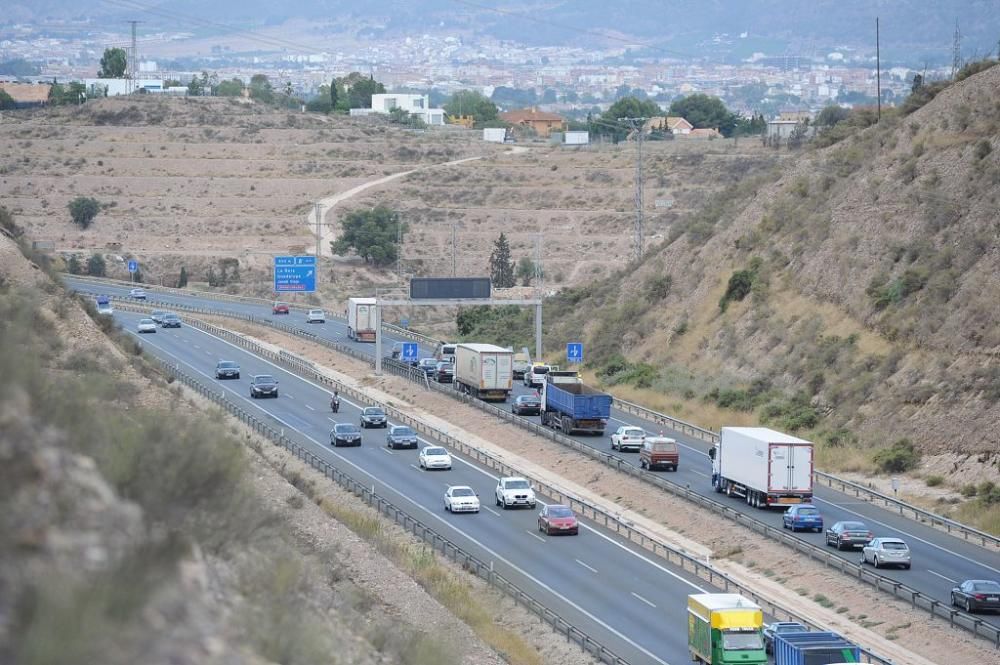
column 814, row 648
column 571, row 406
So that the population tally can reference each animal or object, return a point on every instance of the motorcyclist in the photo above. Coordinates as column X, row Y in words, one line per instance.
column 335, row 402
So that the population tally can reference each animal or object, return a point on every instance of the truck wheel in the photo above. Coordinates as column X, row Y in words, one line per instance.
column 642, row 464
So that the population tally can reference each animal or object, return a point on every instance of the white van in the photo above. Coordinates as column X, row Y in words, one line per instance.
column 536, row 375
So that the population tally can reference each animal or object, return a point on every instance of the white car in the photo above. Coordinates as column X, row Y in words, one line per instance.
column 461, row 499
column 434, row 457
column 146, row 326
column 514, row 491
column 628, row 437
column 536, row 375
column 316, row 316
column 138, row 294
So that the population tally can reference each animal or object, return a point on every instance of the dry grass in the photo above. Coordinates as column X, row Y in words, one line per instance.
column 788, row 304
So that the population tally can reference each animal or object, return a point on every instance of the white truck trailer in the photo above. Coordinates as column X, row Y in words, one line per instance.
column 484, row 370
column 764, row 467
column 361, row 319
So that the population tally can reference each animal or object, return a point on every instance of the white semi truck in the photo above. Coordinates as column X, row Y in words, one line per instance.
column 361, row 319
column 764, row 467
column 484, row 370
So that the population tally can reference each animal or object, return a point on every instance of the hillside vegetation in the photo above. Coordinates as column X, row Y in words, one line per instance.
column 853, row 296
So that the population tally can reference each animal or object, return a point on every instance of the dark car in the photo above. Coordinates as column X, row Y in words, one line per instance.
column 279, row 308
column 427, row 365
column 345, row 434
column 803, row 516
column 444, row 372
column 157, row 315
column 401, row 436
column 848, row 534
column 373, row 416
column 526, row 405
column 263, row 385
column 170, row 320
column 976, row 595
column 227, row 369
column 780, row 628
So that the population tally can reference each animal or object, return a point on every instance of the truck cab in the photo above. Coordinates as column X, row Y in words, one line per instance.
column 724, row 629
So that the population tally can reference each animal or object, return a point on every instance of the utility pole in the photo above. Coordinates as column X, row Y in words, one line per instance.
column 318, row 213
column 636, row 124
column 878, row 73
column 132, row 62
column 453, row 256
column 956, row 52
column 399, row 251
column 539, row 273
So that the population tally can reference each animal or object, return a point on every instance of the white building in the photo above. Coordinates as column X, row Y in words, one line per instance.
column 417, row 105
column 115, row 87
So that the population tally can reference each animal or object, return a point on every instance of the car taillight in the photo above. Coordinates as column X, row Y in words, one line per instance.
column 979, row 596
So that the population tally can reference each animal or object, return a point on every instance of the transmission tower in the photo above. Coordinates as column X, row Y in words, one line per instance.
column 132, row 62
column 636, row 124
column 956, row 52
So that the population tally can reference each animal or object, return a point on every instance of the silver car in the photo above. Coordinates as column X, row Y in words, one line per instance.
column 886, row 552
column 316, row 316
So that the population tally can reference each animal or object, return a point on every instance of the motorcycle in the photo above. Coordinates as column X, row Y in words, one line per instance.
column 335, row 404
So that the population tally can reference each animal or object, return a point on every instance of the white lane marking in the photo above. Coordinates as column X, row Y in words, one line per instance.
column 311, row 408
column 491, row 510
column 703, row 475
column 943, row 577
column 908, row 535
column 197, row 347
column 433, row 515
column 642, row 599
column 387, row 451
column 590, row 568
column 288, row 395
column 331, row 419
column 534, row 535
column 596, row 532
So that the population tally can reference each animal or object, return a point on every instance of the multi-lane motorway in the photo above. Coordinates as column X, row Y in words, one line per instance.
column 939, row 560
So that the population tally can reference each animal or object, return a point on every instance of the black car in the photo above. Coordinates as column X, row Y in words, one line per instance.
column 444, row 372
column 227, row 369
column 373, row 416
column 170, row 320
column 345, row 434
column 848, row 534
column 977, row 595
column 526, row 405
column 427, row 365
column 401, row 436
column 263, row 385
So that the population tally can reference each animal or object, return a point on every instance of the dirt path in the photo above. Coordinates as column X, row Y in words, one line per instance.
column 329, row 203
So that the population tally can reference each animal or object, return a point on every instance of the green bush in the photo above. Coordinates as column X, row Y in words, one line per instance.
column 619, row 371
column 657, row 287
column 934, row 481
column 740, row 283
column 900, row 456
column 83, row 210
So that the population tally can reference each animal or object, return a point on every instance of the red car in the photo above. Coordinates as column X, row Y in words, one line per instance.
column 558, row 519
column 280, row 308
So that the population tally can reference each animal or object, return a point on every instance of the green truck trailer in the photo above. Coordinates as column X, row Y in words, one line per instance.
column 725, row 628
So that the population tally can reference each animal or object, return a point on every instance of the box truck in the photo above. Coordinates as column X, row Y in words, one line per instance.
column 569, row 405
column 764, row 467
column 725, row 628
column 814, row 648
column 484, row 370
column 361, row 319
column 522, row 363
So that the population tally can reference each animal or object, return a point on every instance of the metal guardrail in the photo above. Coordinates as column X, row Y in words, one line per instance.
column 917, row 599
column 438, row 543
column 663, row 419
column 597, row 514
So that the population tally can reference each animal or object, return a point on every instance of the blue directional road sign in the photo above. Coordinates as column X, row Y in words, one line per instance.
column 133, row 266
column 574, row 352
column 409, row 351
column 294, row 274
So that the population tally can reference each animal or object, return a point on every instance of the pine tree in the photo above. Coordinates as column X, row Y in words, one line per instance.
column 182, row 280
column 501, row 266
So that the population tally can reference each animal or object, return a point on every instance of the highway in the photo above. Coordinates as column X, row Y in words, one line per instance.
column 940, row 560
column 619, row 594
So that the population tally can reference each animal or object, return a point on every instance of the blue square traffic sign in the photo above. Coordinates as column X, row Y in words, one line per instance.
column 410, row 351
column 574, row 352
column 133, row 265
column 294, row 274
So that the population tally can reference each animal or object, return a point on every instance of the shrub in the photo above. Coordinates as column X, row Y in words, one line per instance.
column 658, row 287
column 900, row 456
column 83, row 210
column 983, row 148
column 96, row 266
column 934, row 481
column 740, row 283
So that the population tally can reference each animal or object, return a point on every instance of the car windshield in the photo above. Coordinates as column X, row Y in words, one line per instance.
column 807, row 511
column 516, row 484
column 527, row 398
column 853, row 526
column 462, row 491
column 402, row 431
column 146, row 321
column 374, row 411
column 560, row 511
column 893, row 545
column 435, row 451
column 540, row 370
column 989, row 587
column 634, row 432
column 346, row 428
column 315, row 311
column 733, row 641
column 264, row 379
column 158, row 312
column 171, row 316
column 226, row 364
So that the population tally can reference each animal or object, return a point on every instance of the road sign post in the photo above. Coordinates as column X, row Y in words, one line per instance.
column 133, row 267
column 574, row 352
column 409, row 351
column 294, row 274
